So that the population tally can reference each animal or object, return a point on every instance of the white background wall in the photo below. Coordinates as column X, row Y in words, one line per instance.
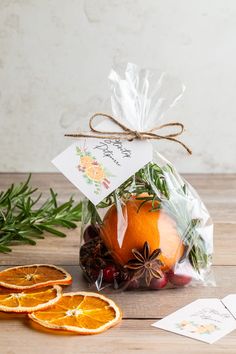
column 55, row 56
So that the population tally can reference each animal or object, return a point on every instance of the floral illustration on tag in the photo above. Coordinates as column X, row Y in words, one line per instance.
column 194, row 327
column 93, row 171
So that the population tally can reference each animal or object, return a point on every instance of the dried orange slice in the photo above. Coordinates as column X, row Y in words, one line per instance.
column 29, row 300
column 80, row 312
column 33, row 276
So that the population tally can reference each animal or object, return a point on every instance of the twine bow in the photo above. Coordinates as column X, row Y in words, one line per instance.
column 129, row 134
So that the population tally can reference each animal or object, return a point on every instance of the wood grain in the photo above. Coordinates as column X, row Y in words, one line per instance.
column 141, row 309
column 131, row 336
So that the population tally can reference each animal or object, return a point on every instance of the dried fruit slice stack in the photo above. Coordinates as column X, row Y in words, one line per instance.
column 34, row 289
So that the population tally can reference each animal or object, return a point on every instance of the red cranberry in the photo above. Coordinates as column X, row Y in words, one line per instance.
column 158, row 283
column 91, row 232
column 179, row 279
column 110, row 272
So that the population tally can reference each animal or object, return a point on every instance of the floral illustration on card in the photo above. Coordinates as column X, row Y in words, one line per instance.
column 193, row 327
column 93, row 171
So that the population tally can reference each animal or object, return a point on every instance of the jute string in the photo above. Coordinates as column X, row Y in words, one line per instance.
column 129, row 134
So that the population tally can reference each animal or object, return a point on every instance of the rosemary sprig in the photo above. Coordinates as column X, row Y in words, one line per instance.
column 21, row 221
column 153, row 183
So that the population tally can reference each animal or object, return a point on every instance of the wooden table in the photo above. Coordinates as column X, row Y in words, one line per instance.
column 141, row 309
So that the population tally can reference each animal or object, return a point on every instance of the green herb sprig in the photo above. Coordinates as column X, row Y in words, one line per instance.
column 21, row 221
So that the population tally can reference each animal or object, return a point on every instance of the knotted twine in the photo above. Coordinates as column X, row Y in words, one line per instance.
column 130, row 134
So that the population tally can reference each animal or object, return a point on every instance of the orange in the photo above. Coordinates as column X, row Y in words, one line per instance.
column 33, row 276
column 95, row 172
column 80, row 312
column 28, row 300
column 135, row 226
column 86, row 160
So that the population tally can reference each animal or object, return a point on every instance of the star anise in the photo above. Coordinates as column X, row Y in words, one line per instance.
column 145, row 264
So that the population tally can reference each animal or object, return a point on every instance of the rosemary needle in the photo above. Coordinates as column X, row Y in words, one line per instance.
column 23, row 221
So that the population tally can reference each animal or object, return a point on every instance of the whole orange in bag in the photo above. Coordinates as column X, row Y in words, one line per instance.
column 137, row 224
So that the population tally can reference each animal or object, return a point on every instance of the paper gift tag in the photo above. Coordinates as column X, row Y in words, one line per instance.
column 98, row 166
column 206, row 320
column 230, row 302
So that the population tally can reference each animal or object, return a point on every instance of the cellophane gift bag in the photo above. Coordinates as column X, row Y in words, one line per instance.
column 153, row 231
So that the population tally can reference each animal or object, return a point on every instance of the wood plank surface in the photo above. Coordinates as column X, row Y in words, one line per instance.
column 130, row 337
column 141, row 309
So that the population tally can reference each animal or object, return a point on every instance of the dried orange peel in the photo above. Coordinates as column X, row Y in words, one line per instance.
column 29, row 300
column 80, row 312
column 33, row 276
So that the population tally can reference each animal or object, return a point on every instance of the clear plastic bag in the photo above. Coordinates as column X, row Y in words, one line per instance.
column 153, row 232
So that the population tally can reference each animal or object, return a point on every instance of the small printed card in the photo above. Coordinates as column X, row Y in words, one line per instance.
column 230, row 302
column 206, row 320
column 98, row 166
